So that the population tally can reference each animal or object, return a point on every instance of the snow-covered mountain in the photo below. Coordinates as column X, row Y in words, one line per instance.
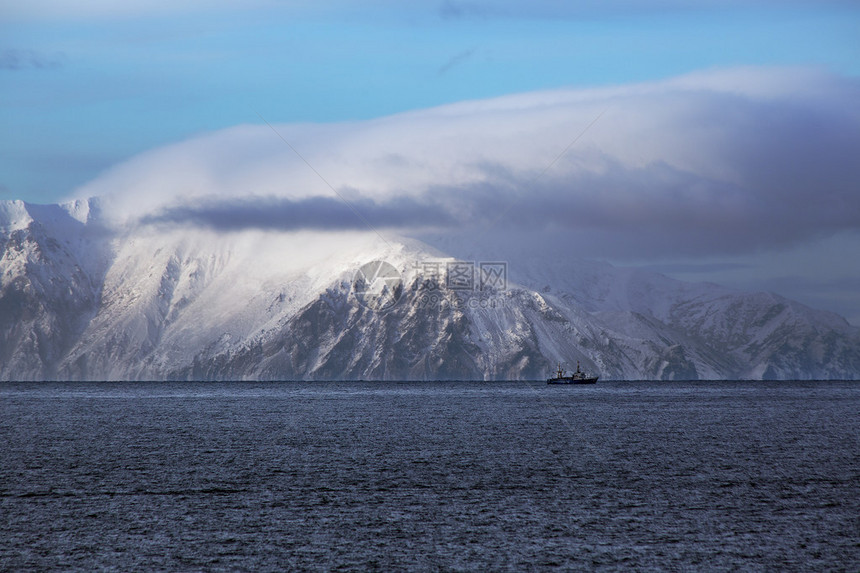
column 79, row 300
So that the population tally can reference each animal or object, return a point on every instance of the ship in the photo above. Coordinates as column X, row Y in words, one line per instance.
column 578, row 377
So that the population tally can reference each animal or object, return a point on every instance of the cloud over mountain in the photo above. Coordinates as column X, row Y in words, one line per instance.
column 718, row 162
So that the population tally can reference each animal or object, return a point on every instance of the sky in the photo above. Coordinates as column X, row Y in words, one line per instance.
column 707, row 140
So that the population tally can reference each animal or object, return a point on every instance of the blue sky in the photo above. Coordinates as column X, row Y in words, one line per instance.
column 106, row 96
column 83, row 88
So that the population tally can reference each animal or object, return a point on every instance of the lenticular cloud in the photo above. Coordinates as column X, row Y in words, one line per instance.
column 716, row 162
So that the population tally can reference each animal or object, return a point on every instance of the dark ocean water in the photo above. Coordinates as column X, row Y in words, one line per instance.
column 430, row 476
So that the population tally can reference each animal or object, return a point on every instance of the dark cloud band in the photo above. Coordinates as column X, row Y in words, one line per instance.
column 318, row 213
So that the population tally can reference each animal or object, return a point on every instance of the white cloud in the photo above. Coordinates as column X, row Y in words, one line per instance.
column 718, row 162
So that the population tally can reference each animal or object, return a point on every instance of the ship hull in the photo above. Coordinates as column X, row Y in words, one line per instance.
column 572, row 380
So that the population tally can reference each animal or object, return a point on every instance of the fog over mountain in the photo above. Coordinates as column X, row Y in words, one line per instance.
column 233, row 255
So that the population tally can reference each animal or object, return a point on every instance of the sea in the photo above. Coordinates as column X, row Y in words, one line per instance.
column 430, row 476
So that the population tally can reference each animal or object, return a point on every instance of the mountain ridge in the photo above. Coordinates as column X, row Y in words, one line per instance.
column 82, row 301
